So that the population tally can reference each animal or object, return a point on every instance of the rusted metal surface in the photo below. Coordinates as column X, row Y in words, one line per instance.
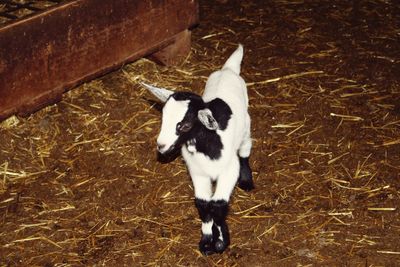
column 49, row 52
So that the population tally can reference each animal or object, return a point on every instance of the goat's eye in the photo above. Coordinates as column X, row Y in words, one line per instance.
column 178, row 127
column 183, row 127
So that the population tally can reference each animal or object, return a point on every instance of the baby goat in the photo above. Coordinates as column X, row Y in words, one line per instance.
column 213, row 133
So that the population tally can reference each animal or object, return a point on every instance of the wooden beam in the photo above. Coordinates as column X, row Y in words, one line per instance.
column 48, row 53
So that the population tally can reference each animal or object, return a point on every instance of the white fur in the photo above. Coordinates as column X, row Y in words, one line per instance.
column 227, row 85
column 206, row 228
column 173, row 112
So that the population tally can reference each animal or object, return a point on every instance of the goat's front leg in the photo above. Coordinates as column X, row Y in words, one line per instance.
column 219, row 205
column 203, row 190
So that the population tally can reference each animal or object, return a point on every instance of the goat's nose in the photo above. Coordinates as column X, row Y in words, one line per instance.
column 160, row 146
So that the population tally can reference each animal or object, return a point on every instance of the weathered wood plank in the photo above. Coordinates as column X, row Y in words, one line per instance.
column 175, row 52
column 44, row 55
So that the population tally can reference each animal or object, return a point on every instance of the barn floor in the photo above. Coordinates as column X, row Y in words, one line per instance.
column 80, row 184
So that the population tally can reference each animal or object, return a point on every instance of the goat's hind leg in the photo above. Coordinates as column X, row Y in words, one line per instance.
column 245, row 181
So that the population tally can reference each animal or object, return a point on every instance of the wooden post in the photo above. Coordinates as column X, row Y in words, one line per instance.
column 175, row 52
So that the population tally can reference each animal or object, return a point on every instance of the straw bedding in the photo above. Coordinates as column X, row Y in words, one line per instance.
column 80, row 183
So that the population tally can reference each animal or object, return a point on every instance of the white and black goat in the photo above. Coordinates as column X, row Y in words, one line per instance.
column 213, row 133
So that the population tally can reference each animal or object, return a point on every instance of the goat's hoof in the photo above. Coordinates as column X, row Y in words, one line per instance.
column 246, row 185
column 220, row 246
column 206, row 245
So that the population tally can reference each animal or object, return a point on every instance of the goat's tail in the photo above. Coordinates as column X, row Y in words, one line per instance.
column 235, row 60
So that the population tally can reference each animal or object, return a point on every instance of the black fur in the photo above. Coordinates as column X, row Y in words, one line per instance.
column 182, row 96
column 196, row 103
column 219, row 211
column 216, row 211
column 203, row 207
column 221, row 112
column 245, row 181
column 219, row 245
column 206, row 244
column 209, row 142
column 206, row 141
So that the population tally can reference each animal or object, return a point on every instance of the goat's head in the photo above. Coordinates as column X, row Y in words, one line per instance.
column 183, row 114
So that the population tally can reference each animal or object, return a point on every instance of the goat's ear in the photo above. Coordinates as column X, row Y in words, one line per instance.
column 207, row 119
column 161, row 93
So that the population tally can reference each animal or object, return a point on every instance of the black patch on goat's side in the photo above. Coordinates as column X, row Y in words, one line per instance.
column 209, row 143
